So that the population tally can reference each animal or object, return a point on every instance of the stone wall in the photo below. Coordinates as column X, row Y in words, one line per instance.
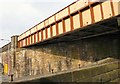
column 60, row 56
column 106, row 72
column 8, row 53
column 63, row 56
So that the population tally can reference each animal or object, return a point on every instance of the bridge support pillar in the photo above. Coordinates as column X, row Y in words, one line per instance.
column 14, row 40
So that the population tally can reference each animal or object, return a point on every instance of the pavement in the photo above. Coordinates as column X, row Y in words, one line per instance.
column 4, row 78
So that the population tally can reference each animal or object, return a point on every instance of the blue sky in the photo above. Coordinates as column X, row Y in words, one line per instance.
column 17, row 16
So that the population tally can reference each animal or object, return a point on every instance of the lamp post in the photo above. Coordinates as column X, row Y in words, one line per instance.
column 7, row 65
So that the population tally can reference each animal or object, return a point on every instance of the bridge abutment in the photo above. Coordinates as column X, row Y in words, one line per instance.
column 64, row 56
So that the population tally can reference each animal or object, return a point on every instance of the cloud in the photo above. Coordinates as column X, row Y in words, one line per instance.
column 14, row 15
column 17, row 16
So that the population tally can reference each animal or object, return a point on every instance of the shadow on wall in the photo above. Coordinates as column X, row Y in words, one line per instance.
column 92, row 49
column 39, row 81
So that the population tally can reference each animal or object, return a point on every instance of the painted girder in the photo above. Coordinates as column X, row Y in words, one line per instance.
column 75, row 16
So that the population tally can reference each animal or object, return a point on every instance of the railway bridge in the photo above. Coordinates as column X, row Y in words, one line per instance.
column 83, row 18
column 70, row 43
